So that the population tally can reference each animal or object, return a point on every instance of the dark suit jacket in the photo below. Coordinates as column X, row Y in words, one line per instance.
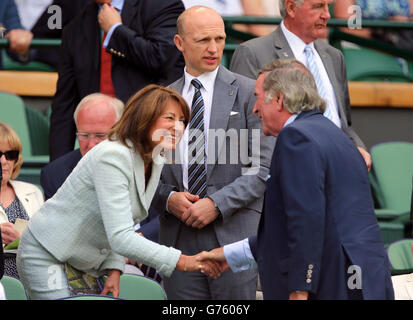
column 252, row 55
column 318, row 218
column 142, row 51
column 55, row 173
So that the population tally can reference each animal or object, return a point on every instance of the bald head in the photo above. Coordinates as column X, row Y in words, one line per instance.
column 193, row 14
column 94, row 117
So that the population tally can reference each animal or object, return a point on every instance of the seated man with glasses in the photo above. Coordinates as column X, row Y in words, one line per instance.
column 94, row 116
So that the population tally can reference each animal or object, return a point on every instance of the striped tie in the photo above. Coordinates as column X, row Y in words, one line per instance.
column 196, row 145
column 311, row 64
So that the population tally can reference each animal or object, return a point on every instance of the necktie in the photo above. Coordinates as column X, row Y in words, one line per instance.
column 196, row 144
column 106, row 84
column 312, row 66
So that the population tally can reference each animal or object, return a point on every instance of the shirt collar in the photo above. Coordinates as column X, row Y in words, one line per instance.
column 118, row 4
column 207, row 80
column 290, row 120
column 296, row 44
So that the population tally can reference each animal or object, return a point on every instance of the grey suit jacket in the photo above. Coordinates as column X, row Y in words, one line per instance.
column 89, row 222
column 238, row 196
column 252, row 55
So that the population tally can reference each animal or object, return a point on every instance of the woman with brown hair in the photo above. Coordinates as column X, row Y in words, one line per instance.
column 18, row 200
column 88, row 224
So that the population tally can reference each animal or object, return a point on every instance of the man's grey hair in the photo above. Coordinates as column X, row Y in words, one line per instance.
column 115, row 103
column 283, row 10
column 292, row 79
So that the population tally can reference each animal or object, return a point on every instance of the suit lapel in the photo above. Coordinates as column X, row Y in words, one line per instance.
column 329, row 66
column 282, row 48
column 225, row 92
column 146, row 194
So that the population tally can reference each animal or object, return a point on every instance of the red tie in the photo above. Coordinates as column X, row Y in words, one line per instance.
column 106, row 84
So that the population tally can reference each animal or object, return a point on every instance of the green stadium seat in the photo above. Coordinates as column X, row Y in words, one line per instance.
column 39, row 131
column 391, row 231
column 135, row 287
column 393, row 171
column 90, row 297
column 365, row 64
column 13, row 288
column 400, row 254
column 14, row 112
column 10, row 64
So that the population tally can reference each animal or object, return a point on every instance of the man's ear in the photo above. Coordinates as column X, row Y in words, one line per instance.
column 279, row 99
column 178, row 42
column 290, row 7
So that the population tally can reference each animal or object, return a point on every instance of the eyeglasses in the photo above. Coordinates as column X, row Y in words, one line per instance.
column 83, row 136
column 10, row 155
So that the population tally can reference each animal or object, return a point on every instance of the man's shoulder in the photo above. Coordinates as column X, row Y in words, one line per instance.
column 234, row 78
column 66, row 161
column 323, row 45
column 258, row 43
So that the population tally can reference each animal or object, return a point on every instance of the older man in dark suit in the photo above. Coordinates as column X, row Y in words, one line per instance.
column 318, row 236
column 114, row 47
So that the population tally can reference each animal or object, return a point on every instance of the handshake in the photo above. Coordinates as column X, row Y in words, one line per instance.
column 211, row 263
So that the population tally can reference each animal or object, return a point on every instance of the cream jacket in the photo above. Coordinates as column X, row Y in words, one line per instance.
column 28, row 194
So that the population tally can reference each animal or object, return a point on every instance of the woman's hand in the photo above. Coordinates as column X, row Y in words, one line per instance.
column 191, row 264
column 8, row 232
column 112, row 283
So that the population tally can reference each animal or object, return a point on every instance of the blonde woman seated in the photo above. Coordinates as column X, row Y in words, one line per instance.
column 89, row 222
column 18, row 199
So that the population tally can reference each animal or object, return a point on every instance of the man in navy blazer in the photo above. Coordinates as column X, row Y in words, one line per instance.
column 139, row 43
column 318, row 236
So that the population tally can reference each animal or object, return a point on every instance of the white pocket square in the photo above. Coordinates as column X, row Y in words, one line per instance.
column 234, row 113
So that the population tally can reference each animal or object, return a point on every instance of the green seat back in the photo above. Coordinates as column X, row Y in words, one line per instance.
column 13, row 288
column 12, row 112
column 134, row 287
column 370, row 65
column 391, row 231
column 393, row 169
column 10, row 64
column 90, row 297
column 400, row 254
column 39, row 131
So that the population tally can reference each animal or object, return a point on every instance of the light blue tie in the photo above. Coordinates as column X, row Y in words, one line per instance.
column 312, row 66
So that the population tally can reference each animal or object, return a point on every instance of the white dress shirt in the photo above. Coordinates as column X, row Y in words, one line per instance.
column 297, row 46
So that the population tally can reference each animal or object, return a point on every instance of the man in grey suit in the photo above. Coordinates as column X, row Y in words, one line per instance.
column 212, row 193
column 304, row 23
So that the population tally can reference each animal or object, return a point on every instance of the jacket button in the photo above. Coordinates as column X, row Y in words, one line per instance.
column 310, row 266
column 308, row 281
column 104, row 251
